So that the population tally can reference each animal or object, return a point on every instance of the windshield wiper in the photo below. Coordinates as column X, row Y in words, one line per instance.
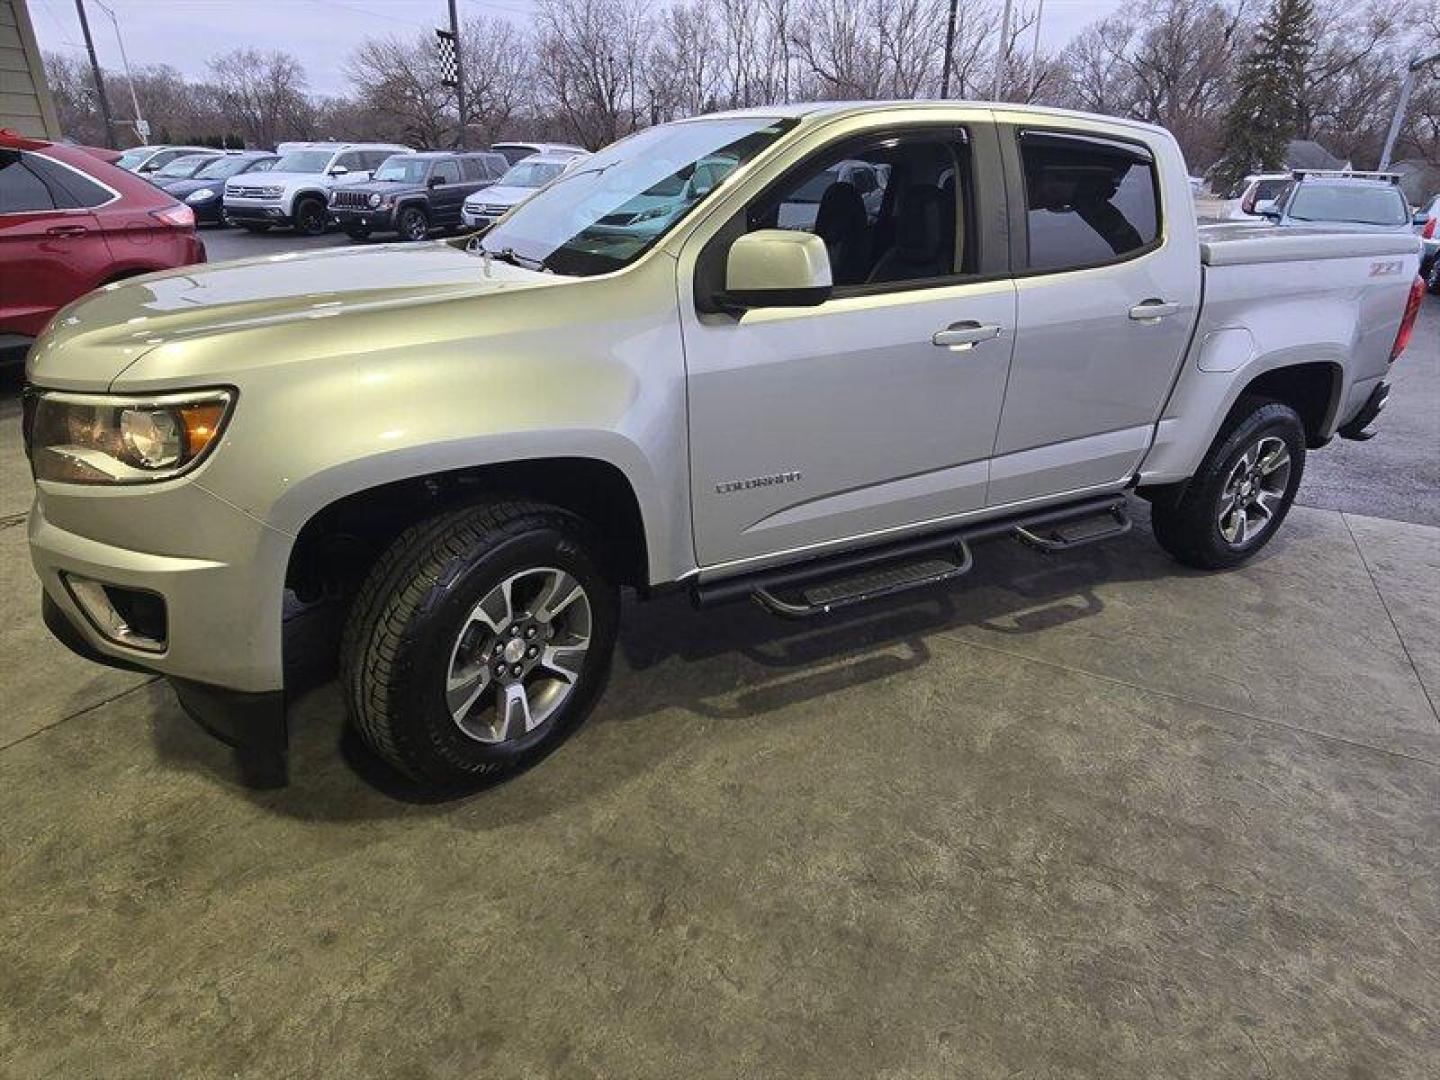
column 514, row 258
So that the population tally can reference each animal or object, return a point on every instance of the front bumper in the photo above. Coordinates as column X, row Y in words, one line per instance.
column 255, row 211
column 379, row 219
column 474, row 219
column 222, row 643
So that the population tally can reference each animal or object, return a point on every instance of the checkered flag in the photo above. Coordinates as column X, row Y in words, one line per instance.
column 449, row 61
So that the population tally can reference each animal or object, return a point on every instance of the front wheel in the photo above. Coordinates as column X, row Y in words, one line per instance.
column 412, row 224
column 480, row 639
column 1242, row 491
column 311, row 218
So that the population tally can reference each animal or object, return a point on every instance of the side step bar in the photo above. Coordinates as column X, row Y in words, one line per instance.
column 827, row 584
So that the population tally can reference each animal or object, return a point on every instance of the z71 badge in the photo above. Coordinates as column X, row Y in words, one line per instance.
column 1386, row 268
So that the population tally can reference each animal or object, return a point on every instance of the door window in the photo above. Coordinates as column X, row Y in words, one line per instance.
column 22, row 190
column 474, row 169
column 1088, row 201
column 889, row 210
column 447, row 172
column 353, row 161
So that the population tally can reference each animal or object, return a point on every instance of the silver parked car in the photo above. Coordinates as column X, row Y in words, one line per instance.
column 520, row 181
column 1341, row 201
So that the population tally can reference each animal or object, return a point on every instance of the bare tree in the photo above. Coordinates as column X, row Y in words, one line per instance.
column 400, row 81
column 499, row 70
column 589, row 59
column 264, row 94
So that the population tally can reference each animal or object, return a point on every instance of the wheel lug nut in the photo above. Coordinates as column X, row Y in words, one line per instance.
column 514, row 631
column 532, row 651
column 530, row 631
column 517, row 670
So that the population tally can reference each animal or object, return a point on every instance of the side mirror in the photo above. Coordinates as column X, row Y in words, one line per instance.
column 778, row 268
column 338, row 170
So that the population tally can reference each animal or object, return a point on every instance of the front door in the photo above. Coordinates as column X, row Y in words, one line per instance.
column 1106, row 304
column 814, row 425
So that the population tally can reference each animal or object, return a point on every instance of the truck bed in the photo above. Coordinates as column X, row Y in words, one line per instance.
column 1245, row 243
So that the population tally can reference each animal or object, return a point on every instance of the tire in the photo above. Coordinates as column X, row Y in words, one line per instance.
column 417, row 632
column 256, row 227
column 1235, row 502
column 310, row 217
column 412, row 224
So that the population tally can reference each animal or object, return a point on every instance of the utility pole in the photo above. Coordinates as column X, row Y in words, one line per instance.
column 949, row 52
column 459, row 71
column 1002, row 51
column 1403, row 103
column 1035, row 49
column 99, row 78
column 142, row 129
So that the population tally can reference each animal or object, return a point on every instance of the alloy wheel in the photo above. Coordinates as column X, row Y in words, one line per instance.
column 518, row 657
column 1254, row 491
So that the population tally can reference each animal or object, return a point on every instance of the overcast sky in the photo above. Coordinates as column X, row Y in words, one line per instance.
column 186, row 33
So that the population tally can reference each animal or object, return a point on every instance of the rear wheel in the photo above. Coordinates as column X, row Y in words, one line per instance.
column 1242, row 491
column 412, row 224
column 310, row 216
column 479, row 640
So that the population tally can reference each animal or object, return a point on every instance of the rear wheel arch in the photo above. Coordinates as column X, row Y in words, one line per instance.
column 1312, row 389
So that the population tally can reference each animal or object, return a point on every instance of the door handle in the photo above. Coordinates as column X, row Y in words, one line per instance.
column 66, row 230
column 1152, row 310
column 965, row 334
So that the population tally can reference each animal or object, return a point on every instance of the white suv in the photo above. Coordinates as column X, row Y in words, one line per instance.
column 296, row 190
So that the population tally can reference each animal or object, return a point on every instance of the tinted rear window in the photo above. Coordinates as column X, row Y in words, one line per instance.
column 1088, row 201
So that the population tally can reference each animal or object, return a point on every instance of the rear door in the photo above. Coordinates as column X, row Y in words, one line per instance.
column 51, row 247
column 815, row 425
column 446, row 192
column 1106, row 300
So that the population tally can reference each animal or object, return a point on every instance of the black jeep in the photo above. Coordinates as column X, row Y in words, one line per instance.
column 413, row 193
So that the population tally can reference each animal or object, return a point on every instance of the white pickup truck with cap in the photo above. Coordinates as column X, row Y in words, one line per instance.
column 467, row 448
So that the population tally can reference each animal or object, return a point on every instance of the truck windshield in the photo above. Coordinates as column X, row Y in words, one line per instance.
column 304, row 161
column 610, row 208
column 1363, row 205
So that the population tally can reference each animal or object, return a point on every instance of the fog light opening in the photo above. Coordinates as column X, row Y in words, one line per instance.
column 134, row 618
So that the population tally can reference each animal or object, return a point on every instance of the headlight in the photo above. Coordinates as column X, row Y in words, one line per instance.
column 201, row 195
column 375, row 199
column 109, row 439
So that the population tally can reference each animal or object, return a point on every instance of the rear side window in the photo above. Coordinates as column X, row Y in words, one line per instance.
column 447, row 172
column 69, row 187
column 1088, row 201
column 21, row 190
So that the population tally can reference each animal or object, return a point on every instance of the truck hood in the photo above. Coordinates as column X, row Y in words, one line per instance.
column 91, row 342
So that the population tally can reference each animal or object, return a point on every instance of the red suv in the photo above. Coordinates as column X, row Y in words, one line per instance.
column 69, row 223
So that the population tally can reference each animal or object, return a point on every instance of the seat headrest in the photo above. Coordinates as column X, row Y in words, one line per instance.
column 841, row 208
column 920, row 232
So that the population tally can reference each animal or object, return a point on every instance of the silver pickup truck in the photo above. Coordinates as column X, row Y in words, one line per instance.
column 638, row 378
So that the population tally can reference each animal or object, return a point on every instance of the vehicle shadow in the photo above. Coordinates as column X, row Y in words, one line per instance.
column 730, row 664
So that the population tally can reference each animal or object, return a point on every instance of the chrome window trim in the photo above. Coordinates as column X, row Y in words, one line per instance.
column 114, row 195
